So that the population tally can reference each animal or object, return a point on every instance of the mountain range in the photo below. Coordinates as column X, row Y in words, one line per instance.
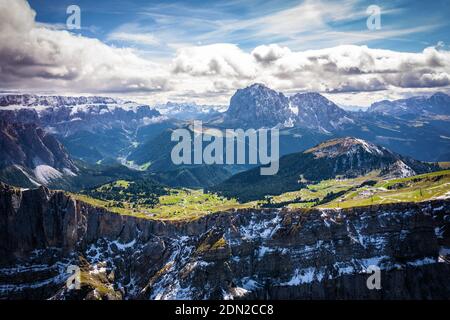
column 338, row 158
column 259, row 106
column 437, row 105
column 92, row 128
column 101, row 130
column 189, row 111
column 350, row 194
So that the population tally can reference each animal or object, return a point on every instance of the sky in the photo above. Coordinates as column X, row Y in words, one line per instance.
column 202, row 51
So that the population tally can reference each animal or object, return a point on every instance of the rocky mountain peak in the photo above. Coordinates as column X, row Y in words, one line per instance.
column 258, row 106
column 420, row 106
column 260, row 90
column 313, row 98
column 346, row 146
column 315, row 111
column 440, row 97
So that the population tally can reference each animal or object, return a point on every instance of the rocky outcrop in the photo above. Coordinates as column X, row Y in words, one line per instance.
column 29, row 145
column 258, row 106
column 278, row 254
column 312, row 110
column 27, row 150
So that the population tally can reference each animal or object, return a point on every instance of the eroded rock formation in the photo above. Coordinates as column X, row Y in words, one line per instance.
column 278, row 254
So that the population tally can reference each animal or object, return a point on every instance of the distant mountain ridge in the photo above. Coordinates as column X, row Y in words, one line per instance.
column 107, row 130
column 30, row 100
column 347, row 157
column 58, row 112
column 437, row 104
column 314, row 111
column 189, row 111
column 68, row 115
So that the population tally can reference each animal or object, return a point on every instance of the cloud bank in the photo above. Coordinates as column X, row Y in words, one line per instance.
column 38, row 57
column 34, row 56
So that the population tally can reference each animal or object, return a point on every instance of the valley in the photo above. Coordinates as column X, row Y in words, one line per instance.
column 224, row 150
column 90, row 182
column 137, row 198
column 179, row 204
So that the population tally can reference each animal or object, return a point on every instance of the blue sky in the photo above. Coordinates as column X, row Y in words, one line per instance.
column 203, row 51
column 406, row 25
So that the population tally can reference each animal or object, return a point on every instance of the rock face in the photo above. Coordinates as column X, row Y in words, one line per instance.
column 314, row 111
column 302, row 254
column 29, row 152
column 259, row 106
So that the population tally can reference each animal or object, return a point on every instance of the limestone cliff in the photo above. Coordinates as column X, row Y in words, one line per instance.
column 278, row 254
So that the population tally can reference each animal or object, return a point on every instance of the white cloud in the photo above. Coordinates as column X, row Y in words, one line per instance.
column 270, row 53
column 347, row 68
column 38, row 57
column 220, row 59
column 308, row 24
column 310, row 16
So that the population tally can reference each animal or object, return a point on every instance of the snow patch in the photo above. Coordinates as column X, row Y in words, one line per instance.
column 45, row 173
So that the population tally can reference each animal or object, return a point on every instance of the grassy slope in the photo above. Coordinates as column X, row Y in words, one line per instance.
column 340, row 193
column 347, row 193
column 175, row 204
column 413, row 189
column 319, row 191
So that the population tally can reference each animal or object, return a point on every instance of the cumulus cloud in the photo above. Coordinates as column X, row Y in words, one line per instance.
column 270, row 53
column 347, row 68
column 220, row 59
column 36, row 56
